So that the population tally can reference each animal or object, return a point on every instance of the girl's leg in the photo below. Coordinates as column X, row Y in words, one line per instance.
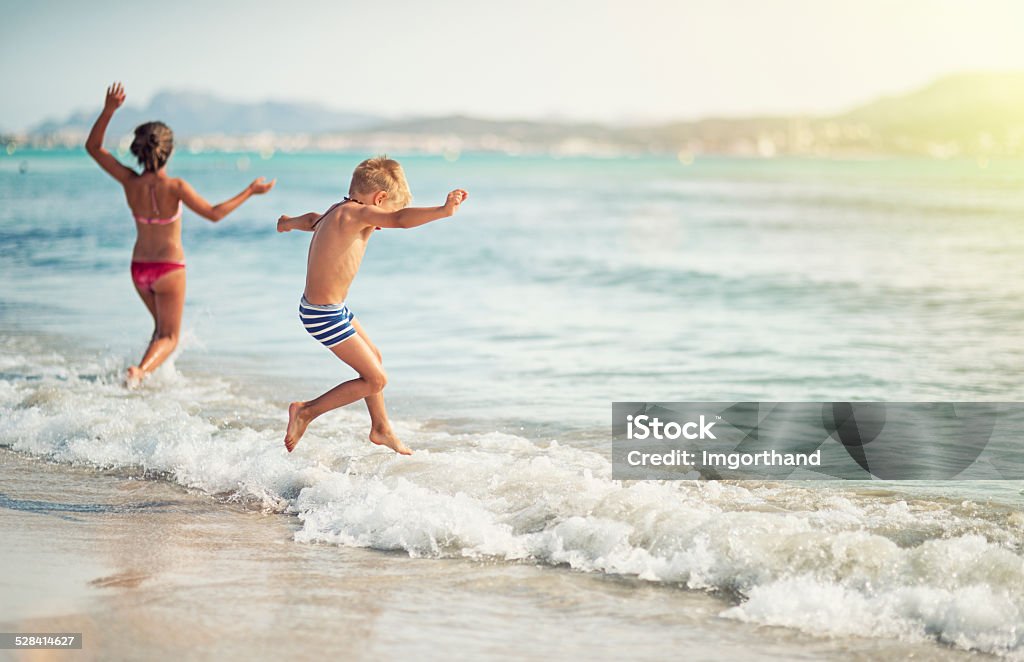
column 169, row 301
column 372, row 379
column 134, row 374
column 149, row 299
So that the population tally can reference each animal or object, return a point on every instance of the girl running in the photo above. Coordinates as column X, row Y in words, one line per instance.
column 155, row 199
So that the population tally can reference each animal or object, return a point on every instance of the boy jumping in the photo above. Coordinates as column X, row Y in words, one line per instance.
column 377, row 198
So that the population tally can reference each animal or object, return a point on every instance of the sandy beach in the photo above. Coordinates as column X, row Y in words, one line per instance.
column 145, row 569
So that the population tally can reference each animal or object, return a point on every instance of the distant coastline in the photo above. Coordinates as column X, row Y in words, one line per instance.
column 975, row 115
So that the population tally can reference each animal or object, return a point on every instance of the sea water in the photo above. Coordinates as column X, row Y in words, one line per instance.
column 507, row 331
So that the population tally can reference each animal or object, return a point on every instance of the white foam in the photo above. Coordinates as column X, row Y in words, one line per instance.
column 821, row 560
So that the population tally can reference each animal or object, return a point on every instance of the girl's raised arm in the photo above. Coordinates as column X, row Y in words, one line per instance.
column 94, row 144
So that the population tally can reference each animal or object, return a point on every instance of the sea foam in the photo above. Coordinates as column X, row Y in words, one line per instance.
column 825, row 560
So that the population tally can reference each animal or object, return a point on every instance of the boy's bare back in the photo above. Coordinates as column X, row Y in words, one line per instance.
column 340, row 236
column 336, row 251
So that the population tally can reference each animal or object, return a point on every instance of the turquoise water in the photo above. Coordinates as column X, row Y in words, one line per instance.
column 565, row 284
column 562, row 285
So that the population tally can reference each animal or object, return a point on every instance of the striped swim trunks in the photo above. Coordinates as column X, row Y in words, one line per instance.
column 329, row 324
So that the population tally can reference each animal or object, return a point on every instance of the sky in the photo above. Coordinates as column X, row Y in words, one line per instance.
column 621, row 61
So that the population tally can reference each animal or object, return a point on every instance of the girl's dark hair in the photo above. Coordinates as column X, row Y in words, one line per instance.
column 153, row 144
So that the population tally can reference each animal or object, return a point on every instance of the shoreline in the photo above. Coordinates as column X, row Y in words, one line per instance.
column 146, row 568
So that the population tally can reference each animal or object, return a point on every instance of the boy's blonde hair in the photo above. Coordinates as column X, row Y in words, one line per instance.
column 381, row 174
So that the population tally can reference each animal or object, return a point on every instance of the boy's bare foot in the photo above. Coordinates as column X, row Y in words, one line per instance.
column 134, row 376
column 297, row 424
column 388, row 438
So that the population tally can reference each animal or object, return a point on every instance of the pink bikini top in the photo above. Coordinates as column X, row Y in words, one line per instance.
column 158, row 221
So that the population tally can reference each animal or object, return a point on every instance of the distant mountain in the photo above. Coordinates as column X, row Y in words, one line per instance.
column 979, row 114
column 473, row 126
column 192, row 114
column 971, row 111
column 964, row 114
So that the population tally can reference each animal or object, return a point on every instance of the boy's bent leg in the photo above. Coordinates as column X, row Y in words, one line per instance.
column 356, row 353
column 381, row 432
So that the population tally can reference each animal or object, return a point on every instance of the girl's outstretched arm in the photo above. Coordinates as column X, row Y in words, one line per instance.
column 214, row 213
column 94, row 143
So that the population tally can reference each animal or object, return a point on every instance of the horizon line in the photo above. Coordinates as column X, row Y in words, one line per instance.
column 540, row 117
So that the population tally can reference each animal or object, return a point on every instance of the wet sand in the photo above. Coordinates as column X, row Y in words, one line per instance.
column 147, row 570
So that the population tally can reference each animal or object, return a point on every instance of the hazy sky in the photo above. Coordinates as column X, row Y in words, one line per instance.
column 631, row 60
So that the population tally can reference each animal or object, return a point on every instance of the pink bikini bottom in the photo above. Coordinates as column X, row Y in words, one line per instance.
column 146, row 273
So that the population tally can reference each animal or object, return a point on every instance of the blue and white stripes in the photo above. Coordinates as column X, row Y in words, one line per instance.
column 330, row 324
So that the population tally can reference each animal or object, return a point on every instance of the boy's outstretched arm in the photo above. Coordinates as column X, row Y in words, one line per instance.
column 94, row 143
column 304, row 222
column 214, row 213
column 412, row 217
